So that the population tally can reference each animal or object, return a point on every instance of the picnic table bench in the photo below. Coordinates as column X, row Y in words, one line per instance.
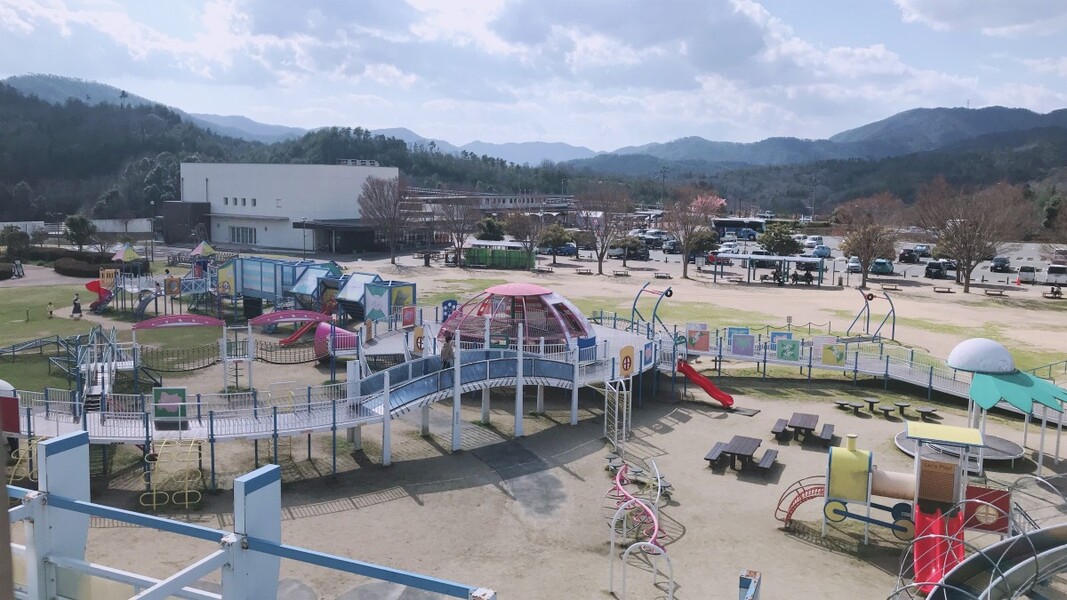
column 715, row 454
column 803, row 424
column 995, row 293
column 871, row 402
column 1053, row 296
column 886, row 410
column 620, row 273
column 543, row 269
column 943, row 290
column 735, row 279
column 842, row 404
column 779, row 428
column 663, row 275
column 902, row 406
column 477, row 266
column 890, row 287
column 767, row 460
column 855, row 406
column 925, row 412
column 740, row 449
column 583, row 271
column 826, row 434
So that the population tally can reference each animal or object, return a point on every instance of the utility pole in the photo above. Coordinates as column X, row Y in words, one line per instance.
column 304, row 247
column 663, row 179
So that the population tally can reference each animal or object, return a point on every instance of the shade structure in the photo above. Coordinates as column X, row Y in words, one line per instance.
column 1020, row 390
column 202, row 249
column 543, row 313
column 981, row 355
column 126, row 254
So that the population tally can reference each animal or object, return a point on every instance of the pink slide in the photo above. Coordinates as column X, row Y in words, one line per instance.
column 705, row 384
column 309, row 326
column 935, row 556
column 103, row 294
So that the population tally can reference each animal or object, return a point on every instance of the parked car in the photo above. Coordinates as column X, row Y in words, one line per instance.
column 908, row 255
column 854, row 265
column 567, row 250
column 729, row 237
column 812, row 240
column 747, row 234
column 812, row 267
column 799, row 237
column 672, row 247
column 822, row 251
column 761, row 263
column 714, row 259
column 1001, row 264
column 923, row 250
column 934, row 270
column 1027, row 274
column 948, row 264
column 882, row 266
column 1056, row 274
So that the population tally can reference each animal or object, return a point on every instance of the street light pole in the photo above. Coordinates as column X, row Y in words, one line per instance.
column 304, row 246
column 152, row 233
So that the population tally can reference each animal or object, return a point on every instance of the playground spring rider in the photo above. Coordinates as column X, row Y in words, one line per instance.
column 865, row 314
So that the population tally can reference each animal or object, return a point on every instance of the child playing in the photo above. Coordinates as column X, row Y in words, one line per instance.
column 51, row 309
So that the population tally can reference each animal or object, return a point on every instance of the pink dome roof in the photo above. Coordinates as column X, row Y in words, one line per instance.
column 543, row 313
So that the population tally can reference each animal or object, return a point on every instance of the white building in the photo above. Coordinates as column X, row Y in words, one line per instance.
column 295, row 207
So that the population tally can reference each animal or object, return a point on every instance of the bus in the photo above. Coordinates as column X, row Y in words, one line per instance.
column 724, row 225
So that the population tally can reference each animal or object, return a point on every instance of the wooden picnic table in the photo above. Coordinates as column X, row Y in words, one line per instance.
column 620, row 273
column 802, row 424
column 663, row 275
column 741, row 449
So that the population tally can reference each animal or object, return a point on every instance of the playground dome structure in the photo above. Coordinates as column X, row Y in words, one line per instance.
column 981, row 355
column 496, row 314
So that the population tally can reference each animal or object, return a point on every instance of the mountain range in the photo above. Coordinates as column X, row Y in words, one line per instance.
column 917, row 130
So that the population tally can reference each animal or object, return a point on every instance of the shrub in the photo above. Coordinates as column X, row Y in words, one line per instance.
column 6, row 271
column 72, row 267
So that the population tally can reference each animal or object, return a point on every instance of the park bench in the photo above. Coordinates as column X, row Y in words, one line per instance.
column 735, row 279
column 1053, row 296
column 826, row 434
column 767, row 460
column 887, row 410
column 715, row 454
column 583, row 271
column 543, row 269
column 890, row 287
column 663, row 275
column 943, row 290
column 621, row 273
column 779, row 429
column 925, row 412
column 995, row 293
column 477, row 266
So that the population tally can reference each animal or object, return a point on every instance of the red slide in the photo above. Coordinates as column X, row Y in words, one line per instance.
column 103, row 294
column 705, row 384
column 309, row 326
column 934, row 556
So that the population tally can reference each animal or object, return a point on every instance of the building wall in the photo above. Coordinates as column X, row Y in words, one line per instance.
column 269, row 199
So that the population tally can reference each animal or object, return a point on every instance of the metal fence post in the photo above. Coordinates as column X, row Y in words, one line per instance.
column 930, row 386
column 211, row 444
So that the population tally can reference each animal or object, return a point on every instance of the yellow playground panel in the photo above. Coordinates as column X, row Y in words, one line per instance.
column 179, row 486
column 25, row 466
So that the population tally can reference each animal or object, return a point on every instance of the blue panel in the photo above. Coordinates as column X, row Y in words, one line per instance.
column 503, row 368
column 260, row 478
column 473, row 372
column 61, row 444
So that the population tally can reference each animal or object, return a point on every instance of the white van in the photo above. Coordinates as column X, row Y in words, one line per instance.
column 1056, row 274
column 1027, row 274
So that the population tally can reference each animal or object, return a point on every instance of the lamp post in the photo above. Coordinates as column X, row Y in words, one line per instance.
column 304, row 246
column 152, row 233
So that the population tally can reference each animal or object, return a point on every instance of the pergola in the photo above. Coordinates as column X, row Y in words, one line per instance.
column 783, row 262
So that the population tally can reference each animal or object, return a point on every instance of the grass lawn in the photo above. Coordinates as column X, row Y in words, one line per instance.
column 15, row 303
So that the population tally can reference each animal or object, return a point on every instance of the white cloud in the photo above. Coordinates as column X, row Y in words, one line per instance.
column 1048, row 66
column 1002, row 18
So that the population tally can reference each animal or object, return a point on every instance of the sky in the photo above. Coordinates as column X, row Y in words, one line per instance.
column 594, row 73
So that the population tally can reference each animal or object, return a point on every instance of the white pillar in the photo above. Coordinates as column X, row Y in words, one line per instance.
column 387, row 434
column 424, row 427
column 457, row 404
column 486, row 331
column 540, row 399
column 518, row 387
column 485, row 406
column 355, row 437
column 574, row 390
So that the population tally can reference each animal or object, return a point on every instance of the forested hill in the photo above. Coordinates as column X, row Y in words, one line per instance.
column 112, row 160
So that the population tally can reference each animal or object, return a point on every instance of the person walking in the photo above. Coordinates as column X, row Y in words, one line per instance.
column 76, row 311
column 448, row 352
column 51, row 308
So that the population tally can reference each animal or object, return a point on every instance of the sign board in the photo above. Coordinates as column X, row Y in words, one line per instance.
column 987, row 509
column 499, row 340
column 698, row 340
column 788, row 350
column 833, row 355
column 420, row 339
column 172, row 286
column 780, row 335
column 626, row 361
column 407, row 316
column 168, row 407
column 743, row 344
column 447, row 307
column 649, row 353
column 732, row 331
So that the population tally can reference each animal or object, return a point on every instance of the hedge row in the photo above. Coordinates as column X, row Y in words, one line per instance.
column 79, row 268
column 49, row 254
column 6, row 271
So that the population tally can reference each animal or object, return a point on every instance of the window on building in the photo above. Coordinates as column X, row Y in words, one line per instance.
column 244, row 201
column 242, row 235
column 253, row 202
column 278, row 203
column 225, row 201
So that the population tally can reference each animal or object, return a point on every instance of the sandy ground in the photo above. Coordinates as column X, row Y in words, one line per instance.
column 528, row 517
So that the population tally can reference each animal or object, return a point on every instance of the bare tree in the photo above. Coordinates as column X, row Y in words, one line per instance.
column 688, row 216
column 603, row 209
column 459, row 219
column 382, row 206
column 526, row 229
column 882, row 209
column 971, row 228
column 868, row 241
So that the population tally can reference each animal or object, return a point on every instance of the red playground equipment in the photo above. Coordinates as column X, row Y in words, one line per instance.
column 705, row 384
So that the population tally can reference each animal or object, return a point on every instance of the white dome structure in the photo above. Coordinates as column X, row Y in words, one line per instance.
column 981, row 355
column 6, row 388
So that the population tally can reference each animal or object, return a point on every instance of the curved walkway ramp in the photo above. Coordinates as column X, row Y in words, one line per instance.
column 1007, row 569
